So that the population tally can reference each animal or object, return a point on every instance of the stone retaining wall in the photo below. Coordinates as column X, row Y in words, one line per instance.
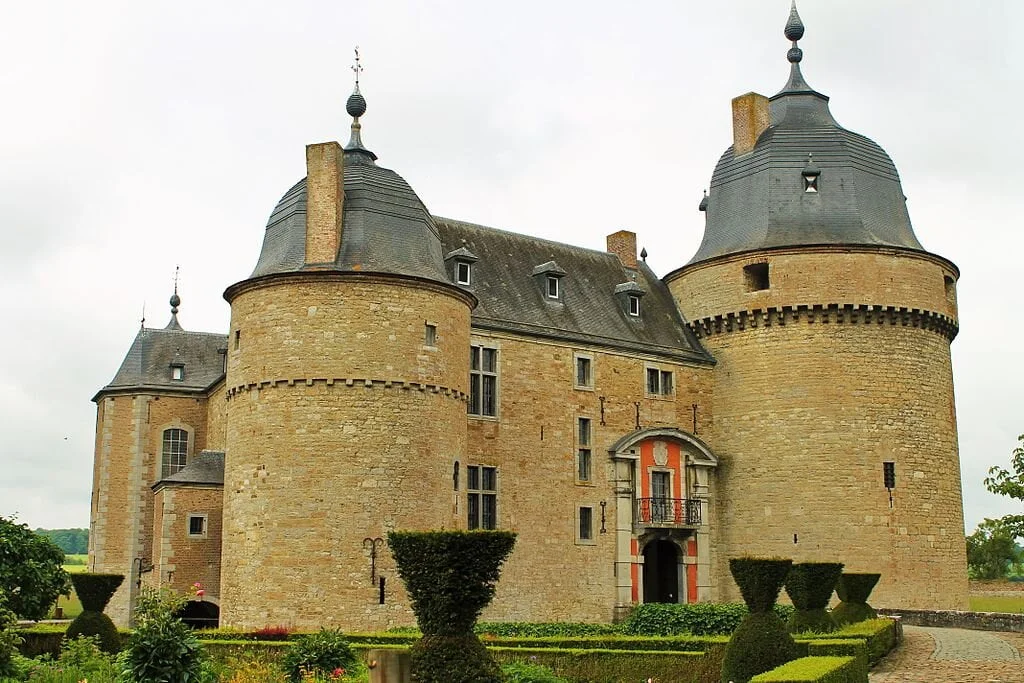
column 982, row 621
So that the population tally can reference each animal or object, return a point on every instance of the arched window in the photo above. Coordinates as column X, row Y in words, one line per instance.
column 175, row 451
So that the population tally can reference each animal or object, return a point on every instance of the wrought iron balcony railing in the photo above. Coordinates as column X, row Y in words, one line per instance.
column 668, row 511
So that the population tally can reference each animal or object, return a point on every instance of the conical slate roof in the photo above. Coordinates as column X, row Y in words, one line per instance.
column 759, row 200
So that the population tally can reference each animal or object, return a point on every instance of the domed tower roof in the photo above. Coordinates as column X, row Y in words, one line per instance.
column 385, row 226
column 805, row 180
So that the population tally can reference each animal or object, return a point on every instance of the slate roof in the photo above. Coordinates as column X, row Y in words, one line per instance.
column 205, row 468
column 148, row 362
column 757, row 200
column 512, row 298
column 386, row 228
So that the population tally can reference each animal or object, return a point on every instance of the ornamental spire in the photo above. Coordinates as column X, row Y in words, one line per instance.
column 794, row 31
column 356, row 107
column 175, row 302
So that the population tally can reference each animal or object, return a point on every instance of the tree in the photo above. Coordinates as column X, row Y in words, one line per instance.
column 991, row 551
column 71, row 541
column 31, row 574
column 1007, row 483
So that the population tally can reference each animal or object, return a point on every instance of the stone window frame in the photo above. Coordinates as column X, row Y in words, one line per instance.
column 578, row 518
column 576, row 358
column 429, row 334
column 663, row 373
column 483, row 376
column 584, row 450
column 190, row 432
column 633, row 305
column 480, row 493
column 205, row 524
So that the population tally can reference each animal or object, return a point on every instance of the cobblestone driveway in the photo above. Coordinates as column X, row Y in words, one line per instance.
column 950, row 655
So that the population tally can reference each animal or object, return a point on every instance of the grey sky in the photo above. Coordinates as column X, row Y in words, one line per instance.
column 140, row 135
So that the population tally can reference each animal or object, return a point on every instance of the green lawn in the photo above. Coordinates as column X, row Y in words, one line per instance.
column 71, row 606
column 998, row 603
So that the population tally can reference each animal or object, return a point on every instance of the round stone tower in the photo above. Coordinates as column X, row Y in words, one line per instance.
column 831, row 326
column 347, row 375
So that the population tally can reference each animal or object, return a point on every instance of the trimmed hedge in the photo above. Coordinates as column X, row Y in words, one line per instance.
column 810, row 585
column 525, row 629
column 816, row 670
column 761, row 642
column 614, row 666
column 95, row 590
column 854, row 590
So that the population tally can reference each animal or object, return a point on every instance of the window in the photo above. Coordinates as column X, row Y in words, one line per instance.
column 552, row 287
column 810, row 183
column 889, row 475
column 634, row 305
column 462, row 273
column 950, row 286
column 659, row 382
column 483, row 381
column 430, row 335
column 177, row 372
column 197, row 525
column 755, row 276
column 586, row 515
column 175, row 450
column 584, row 372
column 238, row 338
column 482, row 496
column 583, row 450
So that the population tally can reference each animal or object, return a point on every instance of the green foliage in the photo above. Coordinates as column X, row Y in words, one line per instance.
column 991, row 550
column 81, row 659
column 523, row 672
column 71, row 541
column 95, row 590
column 616, row 666
column 525, row 629
column 162, row 648
column 98, row 625
column 9, row 638
column 30, row 570
column 699, row 618
column 759, row 644
column 816, row 670
column 320, row 653
column 854, row 589
column 450, row 575
column 760, row 580
column 453, row 659
column 810, row 585
column 1010, row 483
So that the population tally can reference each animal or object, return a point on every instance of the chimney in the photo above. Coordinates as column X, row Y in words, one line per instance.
column 325, row 198
column 623, row 245
column 750, row 118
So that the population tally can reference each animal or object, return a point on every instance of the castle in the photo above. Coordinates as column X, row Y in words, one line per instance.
column 787, row 392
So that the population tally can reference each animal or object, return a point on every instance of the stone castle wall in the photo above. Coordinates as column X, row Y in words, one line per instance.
column 829, row 374
column 180, row 558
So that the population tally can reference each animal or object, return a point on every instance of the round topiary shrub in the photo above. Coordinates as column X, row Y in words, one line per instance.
column 94, row 592
column 324, row 653
column 810, row 585
column 853, row 591
column 450, row 577
column 761, row 642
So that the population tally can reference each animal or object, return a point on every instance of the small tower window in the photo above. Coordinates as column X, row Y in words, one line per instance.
column 950, row 285
column 811, row 174
column 429, row 335
column 889, row 475
column 462, row 272
column 755, row 276
column 177, row 372
column 634, row 304
column 552, row 287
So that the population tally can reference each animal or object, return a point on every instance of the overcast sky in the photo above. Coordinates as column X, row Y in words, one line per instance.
column 137, row 136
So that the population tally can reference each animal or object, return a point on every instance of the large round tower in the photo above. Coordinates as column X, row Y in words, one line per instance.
column 831, row 326
column 347, row 375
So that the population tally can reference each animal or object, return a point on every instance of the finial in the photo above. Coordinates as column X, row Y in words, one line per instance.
column 356, row 107
column 643, row 254
column 175, row 301
column 794, row 27
column 794, row 31
column 142, row 323
column 703, row 206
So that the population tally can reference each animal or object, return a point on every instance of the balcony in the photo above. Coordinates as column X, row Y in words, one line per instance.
column 668, row 512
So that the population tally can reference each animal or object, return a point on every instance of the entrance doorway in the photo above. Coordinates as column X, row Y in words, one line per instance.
column 661, row 572
column 200, row 614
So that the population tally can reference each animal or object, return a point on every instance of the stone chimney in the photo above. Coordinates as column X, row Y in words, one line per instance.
column 325, row 198
column 623, row 245
column 750, row 118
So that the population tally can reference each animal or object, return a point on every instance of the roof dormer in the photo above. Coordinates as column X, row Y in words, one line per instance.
column 550, row 277
column 629, row 295
column 460, row 265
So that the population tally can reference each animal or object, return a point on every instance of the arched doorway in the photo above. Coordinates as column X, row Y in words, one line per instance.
column 661, row 572
column 200, row 614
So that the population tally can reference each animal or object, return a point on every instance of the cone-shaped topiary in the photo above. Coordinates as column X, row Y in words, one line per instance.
column 761, row 642
column 810, row 585
column 450, row 577
column 94, row 591
column 853, row 591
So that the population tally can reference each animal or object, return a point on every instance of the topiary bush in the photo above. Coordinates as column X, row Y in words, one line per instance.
column 94, row 591
column 162, row 647
column 854, row 590
column 698, row 618
column 810, row 585
column 450, row 577
column 324, row 653
column 761, row 641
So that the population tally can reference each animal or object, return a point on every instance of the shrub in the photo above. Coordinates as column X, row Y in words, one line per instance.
column 522, row 672
column 98, row 625
column 320, row 654
column 95, row 590
column 450, row 577
column 853, row 591
column 817, row 670
column 810, row 587
column 31, row 571
column 699, row 618
column 272, row 633
column 9, row 638
column 761, row 641
column 162, row 648
column 524, row 629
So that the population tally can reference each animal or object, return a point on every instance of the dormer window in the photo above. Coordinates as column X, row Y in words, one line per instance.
column 634, row 304
column 461, row 261
column 549, row 276
column 177, row 371
column 552, row 287
column 629, row 294
column 811, row 174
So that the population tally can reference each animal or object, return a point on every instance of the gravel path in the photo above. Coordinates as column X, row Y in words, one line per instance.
column 951, row 655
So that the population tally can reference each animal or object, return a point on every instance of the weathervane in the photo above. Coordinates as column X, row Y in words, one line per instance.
column 356, row 68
